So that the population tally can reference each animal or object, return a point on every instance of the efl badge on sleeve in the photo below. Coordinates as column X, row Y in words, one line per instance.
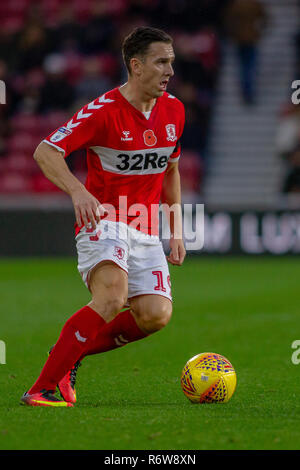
column 60, row 134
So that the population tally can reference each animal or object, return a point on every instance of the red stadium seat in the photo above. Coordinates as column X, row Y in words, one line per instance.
column 205, row 46
column 11, row 24
column 24, row 122
column 2, row 164
column 82, row 9
column 53, row 120
column 21, row 162
column 22, row 142
column 191, row 170
column 15, row 182
column 73, row 65
column 40, row 184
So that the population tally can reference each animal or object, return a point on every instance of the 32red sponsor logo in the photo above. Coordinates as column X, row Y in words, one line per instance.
column 140, row 161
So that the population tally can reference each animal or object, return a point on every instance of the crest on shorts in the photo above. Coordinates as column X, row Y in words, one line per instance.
column 171, row 132
column 149, row 138
column 119, row 252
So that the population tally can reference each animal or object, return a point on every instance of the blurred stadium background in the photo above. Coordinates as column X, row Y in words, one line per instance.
column 235, row 64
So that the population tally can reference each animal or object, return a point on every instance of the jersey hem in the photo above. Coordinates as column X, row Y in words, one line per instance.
column 175, row 159
column 55, row 146
column 166, row 296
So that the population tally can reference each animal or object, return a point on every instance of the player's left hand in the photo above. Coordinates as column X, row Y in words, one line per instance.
column 177, row 253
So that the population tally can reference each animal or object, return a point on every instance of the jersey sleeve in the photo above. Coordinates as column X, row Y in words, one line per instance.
column 177, row 150
column 80, row 131
column 176, row 153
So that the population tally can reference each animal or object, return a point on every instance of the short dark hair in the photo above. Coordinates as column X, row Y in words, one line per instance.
column 139, row 40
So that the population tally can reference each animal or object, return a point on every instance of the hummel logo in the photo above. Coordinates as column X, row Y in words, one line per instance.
column 80, row 338
column 126, row 136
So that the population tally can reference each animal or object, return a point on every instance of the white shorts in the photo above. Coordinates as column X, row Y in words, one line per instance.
column 140, row 255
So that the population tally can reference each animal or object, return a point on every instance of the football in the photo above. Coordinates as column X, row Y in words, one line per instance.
column 208, row 378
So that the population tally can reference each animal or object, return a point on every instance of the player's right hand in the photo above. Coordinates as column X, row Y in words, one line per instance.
column 88, row 210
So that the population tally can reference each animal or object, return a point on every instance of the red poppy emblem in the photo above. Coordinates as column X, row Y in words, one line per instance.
column 150, row 138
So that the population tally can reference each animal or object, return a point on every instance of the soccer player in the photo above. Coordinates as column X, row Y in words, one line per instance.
column 131, row 135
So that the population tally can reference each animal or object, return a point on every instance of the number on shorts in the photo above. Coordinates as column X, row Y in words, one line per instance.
column 160, row 282
column 169, row 283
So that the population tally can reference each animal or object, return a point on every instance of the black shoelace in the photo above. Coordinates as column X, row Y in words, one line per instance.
column 73, row 373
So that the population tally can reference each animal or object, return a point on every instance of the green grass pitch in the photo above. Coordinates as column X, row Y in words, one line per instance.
column 130, row 398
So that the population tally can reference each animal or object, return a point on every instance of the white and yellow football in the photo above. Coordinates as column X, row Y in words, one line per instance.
column 208, row 378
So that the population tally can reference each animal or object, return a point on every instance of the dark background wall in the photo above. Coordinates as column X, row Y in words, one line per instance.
column 256, row 233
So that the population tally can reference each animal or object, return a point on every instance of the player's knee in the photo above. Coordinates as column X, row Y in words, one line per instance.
column 114, row 305
column 156, row 318
column 108, row 285
column 109, row 307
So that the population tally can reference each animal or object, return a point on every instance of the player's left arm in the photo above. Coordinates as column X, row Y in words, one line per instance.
column 171, row 200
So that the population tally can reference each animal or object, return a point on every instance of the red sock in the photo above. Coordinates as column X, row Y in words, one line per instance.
column 77, row 336
column 120, row 331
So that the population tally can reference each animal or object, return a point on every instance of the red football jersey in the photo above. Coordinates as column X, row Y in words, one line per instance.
column 127, row 154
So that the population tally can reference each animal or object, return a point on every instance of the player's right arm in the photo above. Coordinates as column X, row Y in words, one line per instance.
column 80, row 132
column 52, row 163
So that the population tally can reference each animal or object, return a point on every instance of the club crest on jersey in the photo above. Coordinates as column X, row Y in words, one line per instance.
column 119, row 252
column 126, row 135
column 60, row 134
column 149, row 138
column 171, row 132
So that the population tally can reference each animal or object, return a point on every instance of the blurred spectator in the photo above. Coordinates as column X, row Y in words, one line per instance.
column 197, row 62
column 56, row 93
column 297, row 43
column 93, row 83
column 195, row 130
column 288, row 147
column 100, row 30
column 28, row 87
column 190, row 16
column 6, row 47
column 245, row 22
column 198, row 57
column 191, row 173
column 66, row 32
column 57, row 56
column 292, row 180
column 32, row 45
column 4, row 132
